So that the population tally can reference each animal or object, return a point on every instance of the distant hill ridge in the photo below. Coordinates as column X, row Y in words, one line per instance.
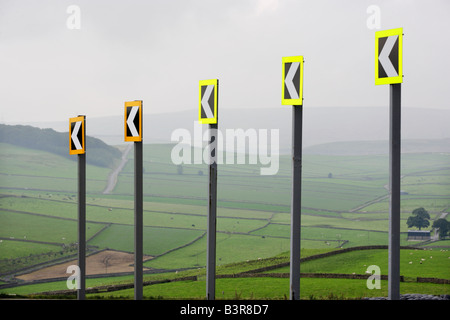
column 99, row 153
column 351, row 148
column 320, row 124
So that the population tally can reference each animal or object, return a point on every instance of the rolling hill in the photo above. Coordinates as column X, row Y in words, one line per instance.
column 100, row 154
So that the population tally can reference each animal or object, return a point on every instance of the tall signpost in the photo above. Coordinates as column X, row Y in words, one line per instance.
column 207, row 114
column 292, row 94
column 389, row 70
column 133, row 132
column 77, row 145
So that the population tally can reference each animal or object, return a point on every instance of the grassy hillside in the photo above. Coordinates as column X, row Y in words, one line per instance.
column 31, row 169
column 99, row 153
column 344, row 204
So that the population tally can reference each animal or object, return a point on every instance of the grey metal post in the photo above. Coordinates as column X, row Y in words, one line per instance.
column 212, row 217
column 81, row 293
column 212, row 209
column 394, row 187
column 296, row 201
column 138, row 221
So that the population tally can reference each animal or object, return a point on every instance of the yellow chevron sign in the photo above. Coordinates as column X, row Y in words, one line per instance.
column 292, row 81
column 208, row 95
column 388, row 56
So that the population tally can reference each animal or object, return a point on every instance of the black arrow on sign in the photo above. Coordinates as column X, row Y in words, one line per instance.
column 208, row 101
column 292, row 80
column 133, row 120
column 76, row 135
column 388, row 56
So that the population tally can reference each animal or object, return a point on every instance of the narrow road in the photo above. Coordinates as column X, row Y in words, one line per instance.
column 112, row 179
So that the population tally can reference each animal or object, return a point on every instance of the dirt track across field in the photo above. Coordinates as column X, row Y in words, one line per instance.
column 112, row 179
column 108, row 261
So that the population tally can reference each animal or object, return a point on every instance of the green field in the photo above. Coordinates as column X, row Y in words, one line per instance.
column 344, row 204
column 434, row 264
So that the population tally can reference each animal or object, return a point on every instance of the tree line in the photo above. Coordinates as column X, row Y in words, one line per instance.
column 420, row 219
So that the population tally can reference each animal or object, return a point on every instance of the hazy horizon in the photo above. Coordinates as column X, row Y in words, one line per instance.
column 320, row 124
column 56, row 65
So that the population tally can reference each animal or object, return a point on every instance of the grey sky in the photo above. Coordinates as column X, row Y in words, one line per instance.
column 158, row 50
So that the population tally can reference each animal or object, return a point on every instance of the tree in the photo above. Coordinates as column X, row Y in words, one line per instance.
column 419, row 219
column 106, row 262
column 443, row 226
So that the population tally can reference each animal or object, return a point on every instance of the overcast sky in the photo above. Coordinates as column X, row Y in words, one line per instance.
column 158, row 50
